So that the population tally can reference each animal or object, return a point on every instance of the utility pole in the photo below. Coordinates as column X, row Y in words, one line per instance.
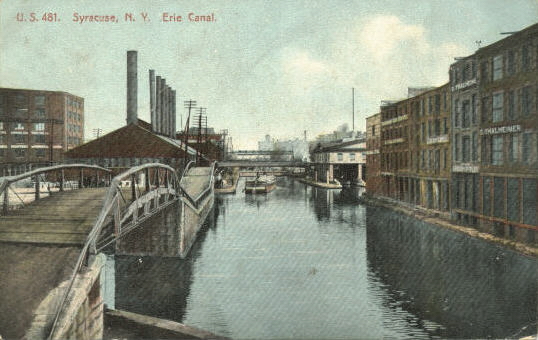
column 189, row 104
column 353, row 107
column 97, row 132
column 201, row 120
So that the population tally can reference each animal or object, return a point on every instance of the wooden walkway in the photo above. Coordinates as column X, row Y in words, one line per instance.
column 65, row 218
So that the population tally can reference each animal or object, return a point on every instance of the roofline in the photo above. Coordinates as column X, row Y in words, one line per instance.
column 496, row 44
column 32, row 90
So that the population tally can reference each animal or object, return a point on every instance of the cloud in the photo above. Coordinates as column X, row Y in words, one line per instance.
column 383, row 35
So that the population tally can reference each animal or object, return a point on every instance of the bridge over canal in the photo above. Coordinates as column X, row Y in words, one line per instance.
column 55, row 228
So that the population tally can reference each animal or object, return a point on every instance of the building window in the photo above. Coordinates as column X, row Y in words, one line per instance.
column 485, row 153
column 1, row 126
column 498, row 197
column 445, row 127
column 19, row 139
column 40, row 153
column 511, row 106
column 19, row 153
column 465, row 149
column 497, row 107
column 352, row 156
column 526, row 101
column 3, row 139
column 512, row 186
column 484, row 72
column 497, row 150
column 484, row 110
column 511, row 63
column 39, row 139
column 17, row 126
column 486, row 196
column 527, row 154
column 529, row 201
column 340, row 156
column 423, row 130
column 525, row 58
column 40, row 113
column 473, row 109
column 457, row 147
column 437, row 104
column 445, row 158
column 456, row 113
column 497, row 67
column 39, row 100
column 513, row 150
column 21, row 101
column 465, row 114
column 39, row 126
column 475, row 146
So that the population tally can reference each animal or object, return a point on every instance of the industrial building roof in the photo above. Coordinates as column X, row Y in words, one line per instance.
column 131, row 141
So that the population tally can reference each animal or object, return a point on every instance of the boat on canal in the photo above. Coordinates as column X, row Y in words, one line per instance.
column 260, row 185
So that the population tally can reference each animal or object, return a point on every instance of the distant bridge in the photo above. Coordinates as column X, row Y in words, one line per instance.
column 248, row 163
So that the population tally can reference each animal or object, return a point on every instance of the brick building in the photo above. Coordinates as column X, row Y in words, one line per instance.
column 373, row 157
column 414, row 149
column 429, row 146
column 465, row 136
column 394, row 150
column 508, row 90
column 37, row 127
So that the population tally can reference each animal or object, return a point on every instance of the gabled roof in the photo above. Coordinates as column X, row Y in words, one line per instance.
column 131, row 141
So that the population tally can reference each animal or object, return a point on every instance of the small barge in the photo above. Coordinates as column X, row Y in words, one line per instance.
column 260, row 185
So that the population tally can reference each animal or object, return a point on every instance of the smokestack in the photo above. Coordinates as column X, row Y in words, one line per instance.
column 152, row 103
column 132, row 87
column 173, row 114
column 169, row 131
column 165, row 111
column 158, row 104
column 162, row 123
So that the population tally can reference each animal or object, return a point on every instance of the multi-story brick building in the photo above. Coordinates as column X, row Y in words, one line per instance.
column 508, row 90
column 465, row 140
column 37, row 127
column 415, row 149
column 394, row 149
column 430, row 148
column 373, row 157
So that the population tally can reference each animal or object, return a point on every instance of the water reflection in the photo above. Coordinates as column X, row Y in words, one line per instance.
column 159, row 286
column 464, row 287
column 303, row 262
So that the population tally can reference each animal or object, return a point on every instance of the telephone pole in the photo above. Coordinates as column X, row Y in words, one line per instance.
column 189, row 105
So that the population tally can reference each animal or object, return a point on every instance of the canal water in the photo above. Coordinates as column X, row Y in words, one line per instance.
column 303, row 262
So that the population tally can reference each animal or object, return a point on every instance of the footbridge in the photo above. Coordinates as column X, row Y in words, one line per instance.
column 58, row 221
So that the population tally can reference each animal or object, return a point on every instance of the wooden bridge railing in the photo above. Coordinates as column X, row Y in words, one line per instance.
column 53, row 178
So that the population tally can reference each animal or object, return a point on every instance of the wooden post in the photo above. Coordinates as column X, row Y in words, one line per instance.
column 37, row 187
column 133, row 189
column 157, row 177
column 96, row 178
column 62, row 180
column 6, row 200
column 81, row 179
column 146, row 174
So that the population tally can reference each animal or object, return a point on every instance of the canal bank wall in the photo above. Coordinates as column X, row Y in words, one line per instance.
column 443, row 221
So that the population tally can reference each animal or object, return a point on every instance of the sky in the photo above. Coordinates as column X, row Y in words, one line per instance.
column 262, row 67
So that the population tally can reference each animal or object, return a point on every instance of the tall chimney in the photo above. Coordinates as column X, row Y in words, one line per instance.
column 173, row 114
column 158, row 105
column 152, row 98
column 162, row 123
column 167, row 113
column 132, row 88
